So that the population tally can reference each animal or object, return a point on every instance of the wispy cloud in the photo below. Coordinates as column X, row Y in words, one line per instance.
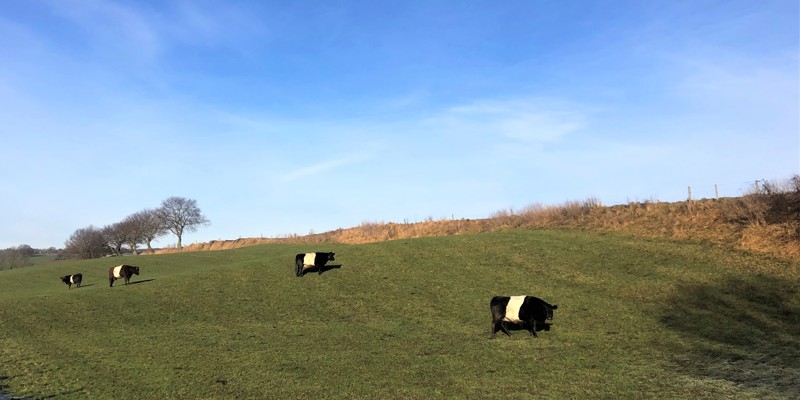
column 529, row 121
column 124, row 31
column 741, row 85
column 319, row 168
column 112, row 26
column 213, row 23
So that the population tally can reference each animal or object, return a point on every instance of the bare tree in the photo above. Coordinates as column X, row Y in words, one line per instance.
column 141, row 227
column 26, row 250
column 151, row 226
column 11, row 257
column 179, row 215
column 115, row 236
column 87, row 242
column 132, row 229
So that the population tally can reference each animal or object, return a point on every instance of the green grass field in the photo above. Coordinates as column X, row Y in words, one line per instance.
column 637, row 318
column 43, row 259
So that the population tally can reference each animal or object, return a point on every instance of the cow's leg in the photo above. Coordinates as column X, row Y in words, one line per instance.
column 495, row 323
column 319, row 270
column 533, row 328
column 498, row 313
column 504, row 327
column 110, row 282
column 493, row 329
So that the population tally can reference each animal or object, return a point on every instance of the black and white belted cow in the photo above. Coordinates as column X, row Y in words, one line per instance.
column 306, row 261
column 528, row 311
column 72, row 280
column 121, row 272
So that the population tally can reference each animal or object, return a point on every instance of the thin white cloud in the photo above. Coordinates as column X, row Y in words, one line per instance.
column 525, row 121
column 319, row 168
column 730, row 80
column 113, row 27
column 218, row 23
column 127, row 32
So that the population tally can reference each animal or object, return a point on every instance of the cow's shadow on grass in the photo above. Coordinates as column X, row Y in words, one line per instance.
column 86, row 285
column 521, row 328
column 138, row 282
column 324, row 269
column 745, row 331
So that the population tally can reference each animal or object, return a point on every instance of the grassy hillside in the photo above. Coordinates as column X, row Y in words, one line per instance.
column 766, row 223
column 637, row 318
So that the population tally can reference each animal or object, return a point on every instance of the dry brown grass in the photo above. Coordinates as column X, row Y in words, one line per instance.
column 765, row 221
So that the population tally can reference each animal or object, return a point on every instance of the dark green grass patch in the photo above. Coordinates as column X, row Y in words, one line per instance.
column 409, row 319
column 43, row 259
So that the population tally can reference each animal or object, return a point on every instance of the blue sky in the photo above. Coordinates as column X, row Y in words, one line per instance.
column 286, row 117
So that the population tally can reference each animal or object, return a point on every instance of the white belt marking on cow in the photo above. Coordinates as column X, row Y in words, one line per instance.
column 512, row 309
column 72, row 279
column 309, row 259
column 118, row 272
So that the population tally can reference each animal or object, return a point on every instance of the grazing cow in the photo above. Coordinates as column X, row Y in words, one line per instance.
column 311, row 260
column 121, row 271
column 529, row 311
column 72, row 279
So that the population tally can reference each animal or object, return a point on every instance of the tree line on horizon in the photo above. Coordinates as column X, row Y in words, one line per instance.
column 20, row 256
column 176, row 215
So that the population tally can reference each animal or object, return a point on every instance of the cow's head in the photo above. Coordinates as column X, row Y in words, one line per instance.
column 65, row 279
column 135, row 270
column 330, row 257
column 549, row 309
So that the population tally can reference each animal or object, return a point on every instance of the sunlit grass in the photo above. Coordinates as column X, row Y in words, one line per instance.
column 409, row 319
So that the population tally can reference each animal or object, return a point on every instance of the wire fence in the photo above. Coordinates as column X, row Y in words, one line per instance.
column 756, row 186
column 699, row 191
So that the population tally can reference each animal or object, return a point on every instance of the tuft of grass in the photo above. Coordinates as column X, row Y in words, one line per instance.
column 637, row 318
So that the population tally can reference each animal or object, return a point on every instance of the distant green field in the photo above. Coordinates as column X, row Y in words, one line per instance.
column 409, row 319
column 43, row 259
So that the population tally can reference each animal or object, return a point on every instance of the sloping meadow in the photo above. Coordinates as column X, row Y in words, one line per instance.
column 636, row 318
